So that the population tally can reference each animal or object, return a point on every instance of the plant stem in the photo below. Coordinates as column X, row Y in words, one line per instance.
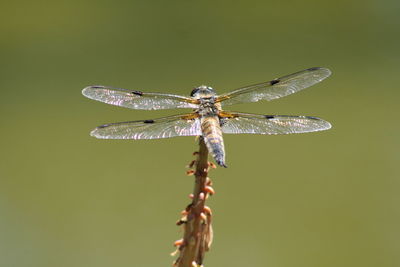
column 197, row 225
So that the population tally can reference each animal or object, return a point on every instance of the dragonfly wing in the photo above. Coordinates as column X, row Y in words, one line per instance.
column 178, row 125
column 240, row 123
column 137, row 99
column 277, row 88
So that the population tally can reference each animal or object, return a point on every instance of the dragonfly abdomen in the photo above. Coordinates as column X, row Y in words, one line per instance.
column 212, row 135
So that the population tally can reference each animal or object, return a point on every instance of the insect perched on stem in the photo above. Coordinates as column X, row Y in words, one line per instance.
column 208, row 119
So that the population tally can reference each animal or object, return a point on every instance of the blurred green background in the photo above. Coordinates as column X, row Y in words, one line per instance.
column 321, row 199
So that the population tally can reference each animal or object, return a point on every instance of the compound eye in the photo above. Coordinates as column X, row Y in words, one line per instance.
column 194, row 91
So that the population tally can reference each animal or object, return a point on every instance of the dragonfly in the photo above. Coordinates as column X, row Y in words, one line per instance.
column 208, row 119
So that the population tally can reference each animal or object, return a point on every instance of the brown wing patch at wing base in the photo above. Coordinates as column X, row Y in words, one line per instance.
column 227, row 114
column 190, row 116
column 221, row 98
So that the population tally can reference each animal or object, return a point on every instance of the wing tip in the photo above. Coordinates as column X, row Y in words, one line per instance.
column 326, row 72
column 95, row 132
column 86, row 91
column 328, row 125
column 324, row 126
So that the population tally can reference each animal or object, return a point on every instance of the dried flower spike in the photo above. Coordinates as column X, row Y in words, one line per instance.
column 209, row 190
column 178, row 243
column 207, row 210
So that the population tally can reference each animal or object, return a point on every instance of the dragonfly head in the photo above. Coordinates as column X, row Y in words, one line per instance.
column 203, row 91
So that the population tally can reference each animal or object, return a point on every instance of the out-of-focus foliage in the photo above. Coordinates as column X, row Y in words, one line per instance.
column 321, row 199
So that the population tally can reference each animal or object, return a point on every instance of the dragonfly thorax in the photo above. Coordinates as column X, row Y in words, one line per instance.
column 203, row 91
column 208, row 107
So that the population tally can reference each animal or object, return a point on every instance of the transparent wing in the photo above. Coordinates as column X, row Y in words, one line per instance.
column 137, row 99
column 178, row 125
column 238, row 123
column 277, row 88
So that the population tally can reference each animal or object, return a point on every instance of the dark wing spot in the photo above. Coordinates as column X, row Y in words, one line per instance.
column 274, row 81
column 148, row 121
column 137, row 93
column 97, row 86
column 269, row 116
